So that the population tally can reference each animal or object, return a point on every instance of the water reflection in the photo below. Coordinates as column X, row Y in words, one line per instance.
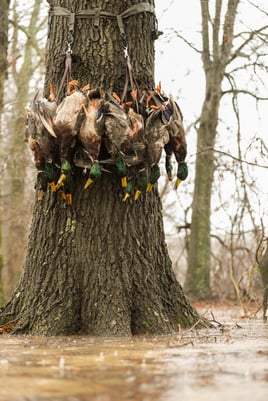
column 226, row 364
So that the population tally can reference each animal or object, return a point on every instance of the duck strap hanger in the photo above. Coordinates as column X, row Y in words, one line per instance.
column 97, row 13
column 133, row 10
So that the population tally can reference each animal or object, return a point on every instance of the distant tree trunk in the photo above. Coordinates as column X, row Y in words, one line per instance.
column 100, row 266
column 2, row 298
column 4, row 5
column 263, row 267
column 216, row 55
column 17, row 195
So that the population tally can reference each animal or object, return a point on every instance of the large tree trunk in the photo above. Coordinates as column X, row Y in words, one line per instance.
column 100, row 266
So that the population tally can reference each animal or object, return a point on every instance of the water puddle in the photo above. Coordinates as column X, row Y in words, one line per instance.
column 228, row 363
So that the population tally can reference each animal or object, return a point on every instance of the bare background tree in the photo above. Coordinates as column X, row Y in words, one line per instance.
column 221, row 49
column 26, row 56
column 4, row 6
column 218, row 227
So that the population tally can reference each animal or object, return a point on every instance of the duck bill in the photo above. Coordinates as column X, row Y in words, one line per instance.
column 61, row 181
column 127, row 195
column 149, row 187
column 177, row 183
column 124, row 182
column 88, row 183
column 53, row 186
column 137, row 194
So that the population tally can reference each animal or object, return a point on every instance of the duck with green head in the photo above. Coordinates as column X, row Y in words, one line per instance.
column 90, row 135
column 182, row 173
column 177, row 142
column 94, row 174
column 154, row 174
column 41, row 138
column 116, row 135
column 141, row 182
column 65, row 182
column 157, row 136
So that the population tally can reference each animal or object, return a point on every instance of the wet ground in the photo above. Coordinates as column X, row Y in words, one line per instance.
column 229, row 363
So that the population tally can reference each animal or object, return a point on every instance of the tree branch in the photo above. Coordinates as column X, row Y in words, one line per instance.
column 244, row 92
column 251, row 35
column 209, row 149
column 184, row 40
column 205, row 34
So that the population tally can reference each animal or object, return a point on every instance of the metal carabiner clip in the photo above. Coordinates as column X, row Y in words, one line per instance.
column 69, row 50
column 70, row 42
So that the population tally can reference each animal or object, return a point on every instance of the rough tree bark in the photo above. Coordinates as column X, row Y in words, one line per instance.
column 100, row 266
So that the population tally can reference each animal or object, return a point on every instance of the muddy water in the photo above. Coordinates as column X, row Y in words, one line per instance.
column 229, row 363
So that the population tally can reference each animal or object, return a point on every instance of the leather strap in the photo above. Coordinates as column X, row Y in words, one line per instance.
column 133, row 10
column 67, row 75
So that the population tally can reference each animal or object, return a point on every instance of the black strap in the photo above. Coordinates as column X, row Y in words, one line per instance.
column 136, row 9
column 130, row 79
column 97, row 14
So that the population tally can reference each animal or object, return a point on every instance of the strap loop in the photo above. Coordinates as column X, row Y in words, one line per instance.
column 96, row 21
column 95, row 30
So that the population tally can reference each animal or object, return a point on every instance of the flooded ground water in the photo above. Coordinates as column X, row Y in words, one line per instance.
column 227, row 363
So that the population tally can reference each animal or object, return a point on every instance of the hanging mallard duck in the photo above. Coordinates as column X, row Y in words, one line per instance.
column 134, row 129
column 90, row 137
column 117, row 132
column 72, row 133
column 41, row 138
column 157, row 134
column 177, row 142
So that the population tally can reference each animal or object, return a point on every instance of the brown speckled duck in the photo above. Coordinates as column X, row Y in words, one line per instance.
column 66, row 123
